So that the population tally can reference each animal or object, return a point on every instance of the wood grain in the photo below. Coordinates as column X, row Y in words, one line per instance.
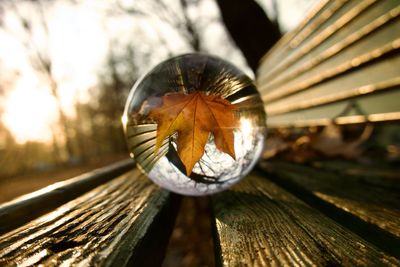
column 339, row 58
column 372, row 202
column 259, row 224
column 112, row 224
column 381, row 175
column 28, row 207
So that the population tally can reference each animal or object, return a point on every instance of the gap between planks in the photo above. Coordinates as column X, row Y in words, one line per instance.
column 259, row 224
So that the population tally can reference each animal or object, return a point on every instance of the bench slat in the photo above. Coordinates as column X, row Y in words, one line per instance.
column 350, row 55
column 322, row 13
column 126, row 220
column 380, row 106
column 379, row 175
column 260, row 224
column 377, row 28
column 374, row 202
column 311, row 20
column 30, row 206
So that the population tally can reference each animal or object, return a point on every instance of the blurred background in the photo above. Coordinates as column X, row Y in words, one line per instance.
column 66, row 67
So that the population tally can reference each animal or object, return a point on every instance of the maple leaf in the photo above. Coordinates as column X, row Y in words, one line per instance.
column 194, row 116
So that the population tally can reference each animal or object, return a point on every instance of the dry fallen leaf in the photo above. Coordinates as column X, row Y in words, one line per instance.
column 313, row 145
column 330, row 142
column 194, row 116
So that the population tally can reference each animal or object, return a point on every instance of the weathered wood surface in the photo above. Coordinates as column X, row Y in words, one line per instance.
column 259, row 224
column 125, row 221
column 374, row 203
column 341, row 64
column 30, row 206
column 371, row 200
column 379, row 175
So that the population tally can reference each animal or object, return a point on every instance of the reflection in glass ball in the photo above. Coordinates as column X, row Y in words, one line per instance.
column 195, row 124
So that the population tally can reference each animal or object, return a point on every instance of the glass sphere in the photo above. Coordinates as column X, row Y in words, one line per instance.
column 195, row 124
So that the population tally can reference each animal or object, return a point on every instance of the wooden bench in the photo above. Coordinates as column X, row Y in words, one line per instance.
column 119, row 220
column 338, row 66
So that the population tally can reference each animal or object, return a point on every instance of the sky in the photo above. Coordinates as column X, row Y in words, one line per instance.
column 80, row 34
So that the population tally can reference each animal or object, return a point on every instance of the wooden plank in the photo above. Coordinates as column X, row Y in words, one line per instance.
column 377, row 175
column 125, row 221
column 371, row 105
column 259, row 224
column 368, row 80
column 21, row 210
column 352, row 53
column 375, row 28
column 290, row 41
column 341, row 17
column 374, row 203
column 310, row 22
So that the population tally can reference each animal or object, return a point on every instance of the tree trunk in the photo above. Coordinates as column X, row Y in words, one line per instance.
column 250, row 28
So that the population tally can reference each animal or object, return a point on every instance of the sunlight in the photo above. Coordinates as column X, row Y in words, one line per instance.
column 244, row 138
column 246, row 126
column 29, row 114
column 30, row 111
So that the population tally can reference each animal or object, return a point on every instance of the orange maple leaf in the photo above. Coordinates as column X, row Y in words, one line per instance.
column 194, row 116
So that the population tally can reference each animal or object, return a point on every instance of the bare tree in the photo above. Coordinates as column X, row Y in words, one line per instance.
column 177, row 18
column 251, row 29
column 42, row 63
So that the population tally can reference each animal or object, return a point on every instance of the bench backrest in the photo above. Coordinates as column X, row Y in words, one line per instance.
column 341, row 65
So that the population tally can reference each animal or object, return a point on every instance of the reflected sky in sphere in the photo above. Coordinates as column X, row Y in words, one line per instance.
column 184, row 75
column 219, row 169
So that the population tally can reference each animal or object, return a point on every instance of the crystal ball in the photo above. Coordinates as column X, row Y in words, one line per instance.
column 195, row 124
